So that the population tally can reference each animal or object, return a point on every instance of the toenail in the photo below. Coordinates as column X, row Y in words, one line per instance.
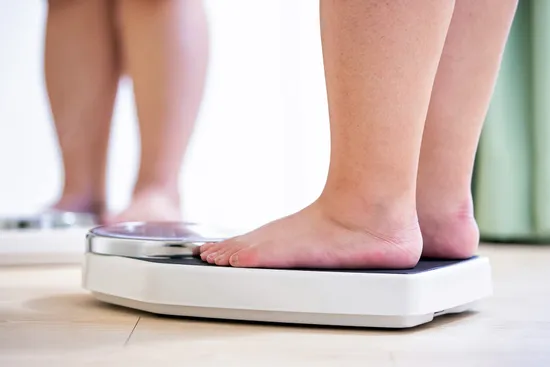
column 211, row 257
column 234, row 260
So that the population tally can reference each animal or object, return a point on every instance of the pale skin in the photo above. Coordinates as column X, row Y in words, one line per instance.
column 162, row 45
column 408, row 83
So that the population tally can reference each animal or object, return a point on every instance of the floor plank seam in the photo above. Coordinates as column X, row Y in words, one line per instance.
column 132, row 332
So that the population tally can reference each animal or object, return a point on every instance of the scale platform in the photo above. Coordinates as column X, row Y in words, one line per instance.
column 52, row 237
column 150, row 267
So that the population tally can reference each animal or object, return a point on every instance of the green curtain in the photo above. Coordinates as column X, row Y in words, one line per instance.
column 512, row 174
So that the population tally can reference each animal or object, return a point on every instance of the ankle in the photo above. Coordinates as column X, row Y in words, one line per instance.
column 446, row 208
column 385, row 214
column 156, row 183
column 170, row 192
column 80, row 203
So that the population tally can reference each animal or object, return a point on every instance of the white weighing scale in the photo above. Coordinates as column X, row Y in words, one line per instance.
column 151, row 267
column 52, row 237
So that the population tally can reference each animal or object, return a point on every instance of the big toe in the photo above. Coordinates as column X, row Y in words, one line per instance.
column 247, row 257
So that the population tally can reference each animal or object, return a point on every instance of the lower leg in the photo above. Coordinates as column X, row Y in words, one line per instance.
column 166, row 49
column 380, row 62
column 460, row 99
column 81, row 70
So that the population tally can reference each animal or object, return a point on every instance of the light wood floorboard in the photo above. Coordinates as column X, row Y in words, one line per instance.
column 46, row 319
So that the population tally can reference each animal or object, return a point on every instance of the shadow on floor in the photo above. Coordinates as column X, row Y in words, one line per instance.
column 83, row 308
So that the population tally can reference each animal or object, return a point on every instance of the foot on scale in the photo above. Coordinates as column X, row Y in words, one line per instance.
column 148, row 256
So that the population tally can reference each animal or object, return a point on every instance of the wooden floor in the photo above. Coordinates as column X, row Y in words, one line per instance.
column 46, row 319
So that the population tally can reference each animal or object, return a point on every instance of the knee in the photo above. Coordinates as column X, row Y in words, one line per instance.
column 130, row 11
column 57, row 4
column 144, row 5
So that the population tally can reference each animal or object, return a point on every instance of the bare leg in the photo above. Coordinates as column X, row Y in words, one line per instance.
column 381, row 58
column 82, row 72
column 165, row 50
column 462, row 92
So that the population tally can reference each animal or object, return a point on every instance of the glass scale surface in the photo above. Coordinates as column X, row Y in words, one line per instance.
column 152, row 240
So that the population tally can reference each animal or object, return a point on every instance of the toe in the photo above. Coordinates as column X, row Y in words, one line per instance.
column 217, row 254
column 245, row 258
column 204, row 254
column 211, row 257
column 221, row 254
column 207, row 246
column 208, row 250
column 265, row 254
column 222, row 257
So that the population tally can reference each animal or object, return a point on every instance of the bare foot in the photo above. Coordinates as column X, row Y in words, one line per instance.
column 317, row 238
column 150, row 206
column 453, row 235
column 79, row 204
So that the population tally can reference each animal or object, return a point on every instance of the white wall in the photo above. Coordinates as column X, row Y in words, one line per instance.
column 261, row 146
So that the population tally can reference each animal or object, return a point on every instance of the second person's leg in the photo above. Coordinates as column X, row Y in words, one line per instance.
column 82, row 70
column 165, row 45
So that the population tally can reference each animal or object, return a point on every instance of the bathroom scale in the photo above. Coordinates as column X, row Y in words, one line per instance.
column 152, row 267
column 50, row 237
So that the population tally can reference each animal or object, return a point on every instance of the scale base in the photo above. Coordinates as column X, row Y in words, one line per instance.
column 42, row 246
column 371, row 321
column 51, row 237
column 381, row 299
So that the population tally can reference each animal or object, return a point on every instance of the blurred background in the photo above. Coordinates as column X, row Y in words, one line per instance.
column 260, row 148
column 512, row 179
